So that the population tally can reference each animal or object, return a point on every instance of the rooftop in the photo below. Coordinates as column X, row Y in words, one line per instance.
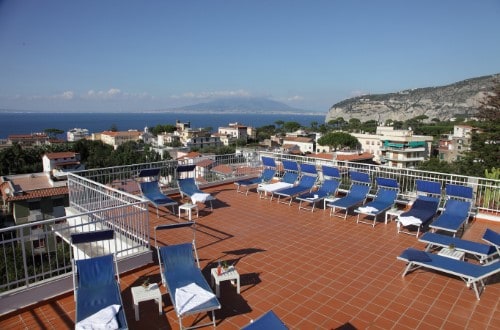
column 313, row 271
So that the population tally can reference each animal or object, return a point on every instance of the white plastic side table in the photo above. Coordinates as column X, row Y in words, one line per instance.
column 231, row 274
column 188, row 208
column 139, row 293
column 392, row 214
column 452, row 253
column 328, row 200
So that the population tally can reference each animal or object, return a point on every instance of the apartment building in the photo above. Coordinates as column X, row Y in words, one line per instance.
column 396, row 148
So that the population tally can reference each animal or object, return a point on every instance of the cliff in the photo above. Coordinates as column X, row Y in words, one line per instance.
column 443, row 102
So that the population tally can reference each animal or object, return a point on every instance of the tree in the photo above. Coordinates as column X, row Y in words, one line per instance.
column 113, row 128
column 291, row 126
column 338, row 140
column 53, row 132
column 354, row 124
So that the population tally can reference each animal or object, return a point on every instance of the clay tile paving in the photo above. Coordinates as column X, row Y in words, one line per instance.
column 313, row 271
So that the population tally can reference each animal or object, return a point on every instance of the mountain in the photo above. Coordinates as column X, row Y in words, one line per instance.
column 443, row 102
column 240, row 105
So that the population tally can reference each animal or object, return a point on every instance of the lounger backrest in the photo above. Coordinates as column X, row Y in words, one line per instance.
column 493, row 238
column 267, row 321
column 329, row 186
column 268, row 162
column 149, row 187
column 308, row 169
column 290, row 177
column 188, row 185
column 387, row 183
column 177, row 257
column 96, row 272
column 457, row 207
column 428, row 187
column 307, row 181
column 289, row 165
column 149, row 172
column 330, row 172
column 386, row 195
column 456, row 191
column 268, row 174
column 359, row 177
column 359, row 191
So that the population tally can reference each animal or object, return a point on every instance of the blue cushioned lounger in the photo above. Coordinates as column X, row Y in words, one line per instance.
column 189, row 188
column 267, row 175
column 387, row 192
column 96, row 281
column 328, row 188
column 307, row 181
column 472, row 274
column 289, row 178
column 456, row 210
column 180, row 272
column 454, row 216
column 482, row 252
column 151, row 190
column 423, row 209
column 268, row 321
column 357, row 194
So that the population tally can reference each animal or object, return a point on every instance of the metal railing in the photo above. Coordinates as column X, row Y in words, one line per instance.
column 38, row 251
column 108, row 198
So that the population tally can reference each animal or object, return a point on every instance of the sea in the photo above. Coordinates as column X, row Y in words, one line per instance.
column 27, row 123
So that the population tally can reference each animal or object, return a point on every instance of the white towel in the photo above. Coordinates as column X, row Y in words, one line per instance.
column 367, row 209
column 411, row 220
column 200, row 197
column 191, row 296
column 103, row 319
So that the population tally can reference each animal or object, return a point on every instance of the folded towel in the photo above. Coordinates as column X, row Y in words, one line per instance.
column 411, row 220
column 103, row 319
column 200, row 197
column 367, row 209
column 191, row 296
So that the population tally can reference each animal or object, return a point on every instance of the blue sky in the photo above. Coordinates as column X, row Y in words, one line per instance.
column 97, row 55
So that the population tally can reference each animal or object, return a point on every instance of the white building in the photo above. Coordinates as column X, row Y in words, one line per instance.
column 76, row 134
column 116, row 139
column 396, row 148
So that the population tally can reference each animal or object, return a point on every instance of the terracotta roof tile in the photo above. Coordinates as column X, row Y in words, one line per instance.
column 40, row 193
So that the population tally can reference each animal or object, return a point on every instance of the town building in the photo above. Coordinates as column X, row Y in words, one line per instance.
column 28, row 140
column 116, row 139
column 396, row 148
column 31, row 198
column 76, row 134
column 57, row 164
column 452, row 146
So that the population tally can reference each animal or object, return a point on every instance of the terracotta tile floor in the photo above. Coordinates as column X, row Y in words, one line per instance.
column 314, row 271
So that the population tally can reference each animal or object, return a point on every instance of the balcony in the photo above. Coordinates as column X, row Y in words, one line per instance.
column 312, row 270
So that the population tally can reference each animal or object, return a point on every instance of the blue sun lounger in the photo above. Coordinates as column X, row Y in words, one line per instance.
column 290, row 177
column 189, row 188
column 328, row 188
column 267, row 321
column 357, row 194
column 96, row 284
column 180, row 272
column 267, row 175
column 308, row 178
column 456, row 210
column 151, row 189
column 484, row 253
column 423, row 209
column 385, row 198
column 473, row 275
